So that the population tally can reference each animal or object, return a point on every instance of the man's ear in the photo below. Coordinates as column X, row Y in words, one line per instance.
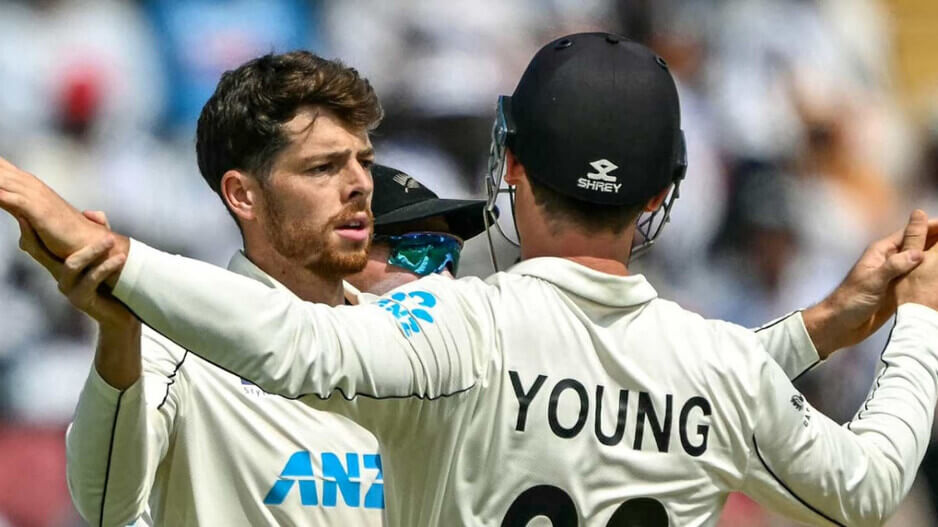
column 242, row 194
column 655, row 202
column 515, row 171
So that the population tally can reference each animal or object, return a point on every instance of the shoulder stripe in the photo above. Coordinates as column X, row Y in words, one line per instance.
column 782, row 483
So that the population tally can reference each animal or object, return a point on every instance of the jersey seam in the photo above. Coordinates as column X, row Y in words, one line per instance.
column 806, row 370
column 110, row 452
column 172, row 379
column 786, row 487
column 879, row 378
column 336, row 389
column 777, row 322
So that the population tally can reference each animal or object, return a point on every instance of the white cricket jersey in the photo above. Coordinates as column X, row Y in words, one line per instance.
column 192, row 444
column 556, row 390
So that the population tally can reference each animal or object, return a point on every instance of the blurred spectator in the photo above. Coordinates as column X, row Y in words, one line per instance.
column 200, row 39
column 751, row 269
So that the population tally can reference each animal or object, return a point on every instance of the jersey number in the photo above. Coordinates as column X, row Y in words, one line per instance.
column 555, row 504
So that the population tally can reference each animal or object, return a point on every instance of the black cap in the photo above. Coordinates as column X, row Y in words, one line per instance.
column 596, row 118
column 399, row 198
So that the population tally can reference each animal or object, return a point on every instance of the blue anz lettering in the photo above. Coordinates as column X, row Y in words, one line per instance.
column 332, row 468
column 298, row 466
column 375, row 497
column 336, row 479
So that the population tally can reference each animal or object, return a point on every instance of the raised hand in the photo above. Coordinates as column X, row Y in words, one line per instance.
column 61, row 228
column 921, row 285
column 80, row 276
column 866, row 299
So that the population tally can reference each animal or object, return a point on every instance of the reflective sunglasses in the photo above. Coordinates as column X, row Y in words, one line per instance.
column 423, row 253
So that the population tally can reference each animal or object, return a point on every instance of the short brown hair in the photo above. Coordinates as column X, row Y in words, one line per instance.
column 240, row 125
column 589, row 216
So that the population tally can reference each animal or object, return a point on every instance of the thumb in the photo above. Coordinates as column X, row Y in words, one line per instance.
column 97, row 216
column 915, row 232
column 899, row 264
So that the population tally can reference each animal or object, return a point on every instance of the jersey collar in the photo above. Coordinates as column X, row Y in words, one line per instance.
column 602, row 288
column 242, row 265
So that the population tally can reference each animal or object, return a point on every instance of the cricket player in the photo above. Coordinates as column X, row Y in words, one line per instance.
column 163, row 437
column 563, row 388
column 424, row 220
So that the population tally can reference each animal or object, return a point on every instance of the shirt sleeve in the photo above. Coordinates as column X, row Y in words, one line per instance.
column 416, row 342
column 787, row 341
column 807, row 466
column 118, row 438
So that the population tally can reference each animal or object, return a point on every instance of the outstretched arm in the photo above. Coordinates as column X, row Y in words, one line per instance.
column 852, row 312
column 806, row 465
column 285, row 345
column 866, row 298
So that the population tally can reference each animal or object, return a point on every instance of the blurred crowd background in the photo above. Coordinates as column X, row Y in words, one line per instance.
column 812, row 129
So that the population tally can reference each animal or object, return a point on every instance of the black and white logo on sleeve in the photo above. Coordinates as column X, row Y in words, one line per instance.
column 602, row 179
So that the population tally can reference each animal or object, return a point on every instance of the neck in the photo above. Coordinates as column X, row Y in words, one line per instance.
column 605, row 252
column 304, row 283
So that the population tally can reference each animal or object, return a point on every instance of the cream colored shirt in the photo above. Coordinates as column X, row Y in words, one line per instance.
column 553, row 389
column 192, row 444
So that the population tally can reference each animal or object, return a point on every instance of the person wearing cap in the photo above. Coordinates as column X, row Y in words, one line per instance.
column 416, row 232
column 565, row 388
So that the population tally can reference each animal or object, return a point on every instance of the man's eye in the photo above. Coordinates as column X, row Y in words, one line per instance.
column 367, row 163
column 321, row 169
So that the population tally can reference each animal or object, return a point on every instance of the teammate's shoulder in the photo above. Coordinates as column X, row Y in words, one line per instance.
column 711, row 336
column 671, row 312
column 447, row 288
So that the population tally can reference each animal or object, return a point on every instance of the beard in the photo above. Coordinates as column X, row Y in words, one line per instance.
column 311, row 245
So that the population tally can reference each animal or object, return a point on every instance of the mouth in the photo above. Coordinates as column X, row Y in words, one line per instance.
column 357, row 228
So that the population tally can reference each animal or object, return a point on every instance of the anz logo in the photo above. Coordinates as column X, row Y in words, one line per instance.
column 335, row 480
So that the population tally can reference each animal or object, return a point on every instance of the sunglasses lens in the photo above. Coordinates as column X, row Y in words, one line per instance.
column 425, row 253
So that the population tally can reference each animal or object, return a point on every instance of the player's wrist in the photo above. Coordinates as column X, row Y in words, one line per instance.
column 118, row 355
column 122, row 247
column 819, row 321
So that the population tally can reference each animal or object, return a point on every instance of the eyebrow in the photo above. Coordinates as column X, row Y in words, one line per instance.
column 369, row 152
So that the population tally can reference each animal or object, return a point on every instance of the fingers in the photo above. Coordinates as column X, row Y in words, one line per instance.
column 916, row 232
column 29, row 243
column 100, row 218
column 893, row 242
column 899, row 264
column 76, row 264
column 85, row 293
